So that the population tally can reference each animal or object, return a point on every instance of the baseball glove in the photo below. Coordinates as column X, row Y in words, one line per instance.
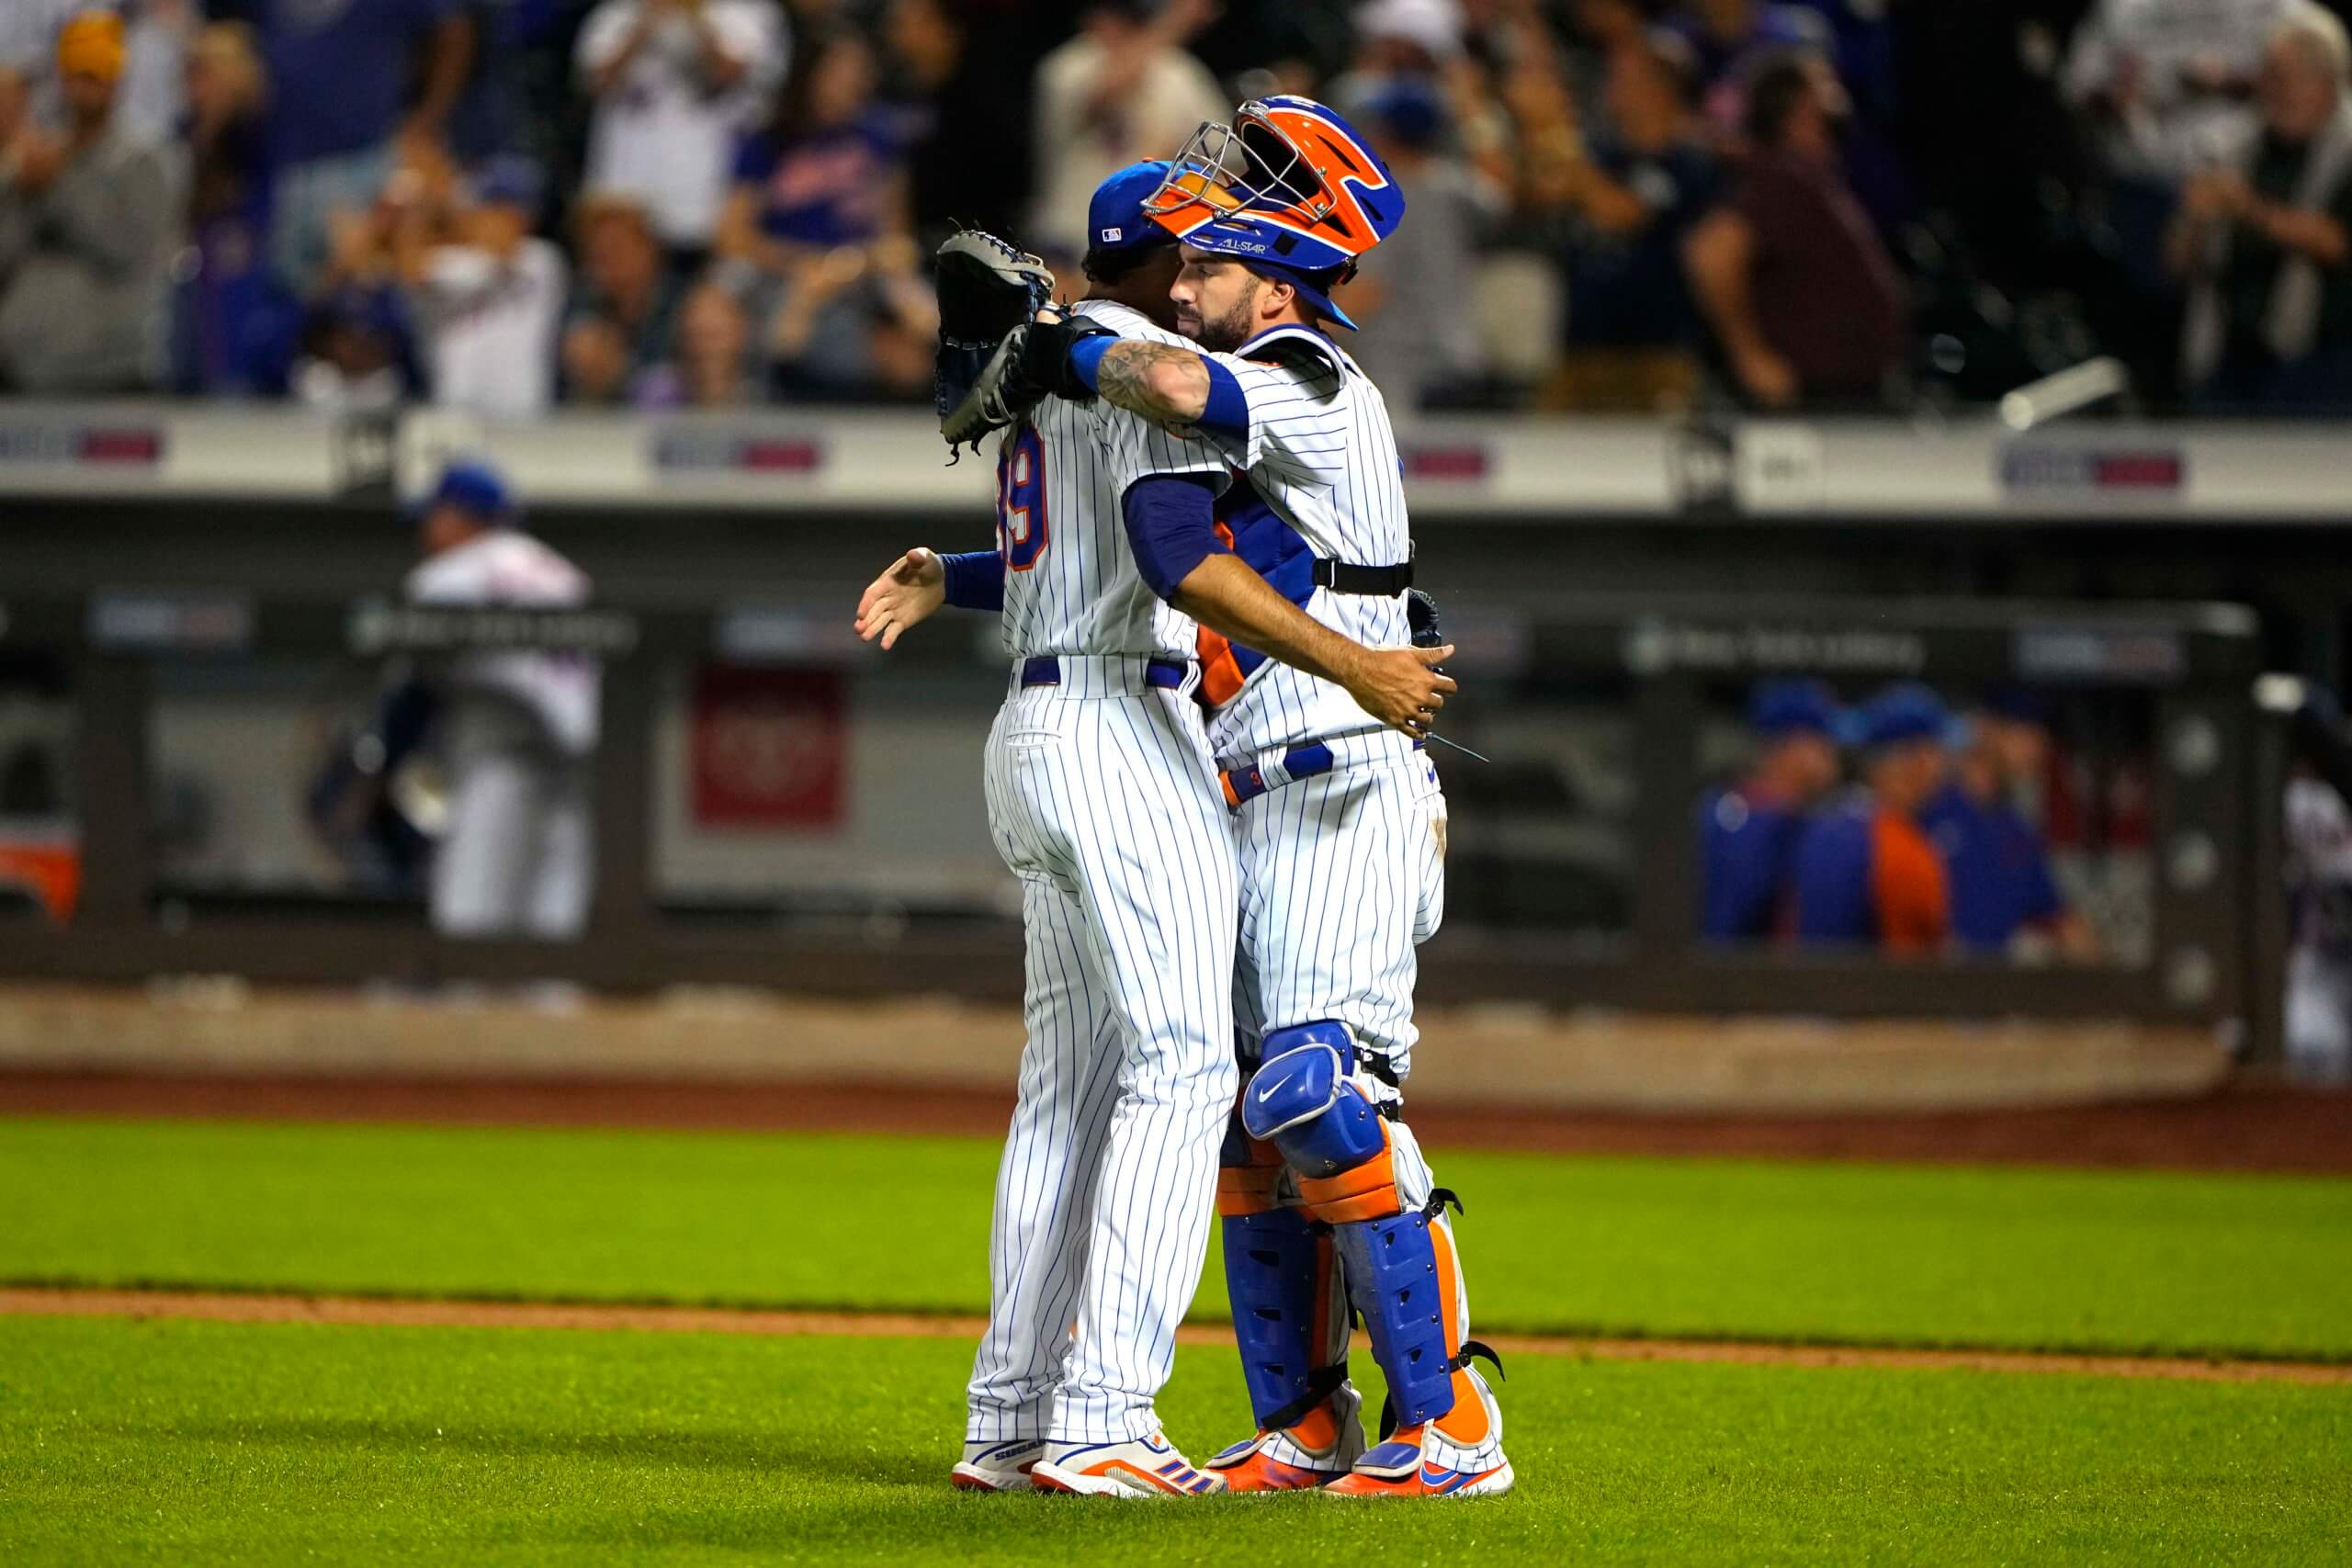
column 987, row 289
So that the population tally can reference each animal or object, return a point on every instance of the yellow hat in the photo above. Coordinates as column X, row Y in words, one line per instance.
column 91, row 45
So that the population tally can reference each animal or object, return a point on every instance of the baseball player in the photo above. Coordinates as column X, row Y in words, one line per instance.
column 1327, row 1199
column 516, row 728
column 2318, row 828
column 1104, row 802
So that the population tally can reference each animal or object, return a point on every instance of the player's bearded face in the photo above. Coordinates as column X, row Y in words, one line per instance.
column 1217, row 304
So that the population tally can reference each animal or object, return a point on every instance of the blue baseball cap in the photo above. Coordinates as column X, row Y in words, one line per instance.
column 1904, row 713
column 474, row 487
column 1116, row 219
column 1780, row 708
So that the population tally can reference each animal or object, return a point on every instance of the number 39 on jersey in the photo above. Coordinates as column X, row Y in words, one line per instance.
column 1021, row 522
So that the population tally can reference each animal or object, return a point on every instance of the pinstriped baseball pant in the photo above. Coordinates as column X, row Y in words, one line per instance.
column 1342, row 875
column 1107, row 809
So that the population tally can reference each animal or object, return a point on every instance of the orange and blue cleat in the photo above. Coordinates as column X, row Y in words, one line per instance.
column 1315, row 1452
column 1458, row 1454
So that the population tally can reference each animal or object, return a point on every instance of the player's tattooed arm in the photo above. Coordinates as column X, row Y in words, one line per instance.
column 1399, row 686
column 1159, row 381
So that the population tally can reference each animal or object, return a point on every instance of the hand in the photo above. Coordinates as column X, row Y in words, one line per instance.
column 1768, row 379
column 38, row 160
column 2235, row 197
column 1401, row 687
column 1043, row 353
column 905, row 595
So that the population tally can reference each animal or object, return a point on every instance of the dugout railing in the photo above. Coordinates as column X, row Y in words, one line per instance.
column 2216, row 917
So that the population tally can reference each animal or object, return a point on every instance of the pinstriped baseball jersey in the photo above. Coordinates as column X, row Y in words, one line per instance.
column 1325, row 480
column 1071, row 583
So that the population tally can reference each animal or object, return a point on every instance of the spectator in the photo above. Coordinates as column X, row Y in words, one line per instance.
column 817, row 229
column 710, row 364
column 828, row 175
column 968, row 138
column 86, row 221
column 1413, row 293
column 489, row 305
column 156, row 35
column 846, row 330
column 356, row 352
column 676, row 83
column 340, row 73
column 618, row 326
column 1995, row 865
column 1732, row 40
column 1597, row 30
column 2265, row 236
column 230, row 321
column 1631, row 199
column 2160, row 79
column 1749, row 832
column 357, row 348
column 1802, row 296
column 1866, row 871
column 1122, row 90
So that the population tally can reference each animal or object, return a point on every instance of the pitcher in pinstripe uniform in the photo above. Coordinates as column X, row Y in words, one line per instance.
column 1326, row 1196
column 1104, row 802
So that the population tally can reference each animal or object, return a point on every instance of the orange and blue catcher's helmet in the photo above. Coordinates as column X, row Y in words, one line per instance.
column 1289, row 184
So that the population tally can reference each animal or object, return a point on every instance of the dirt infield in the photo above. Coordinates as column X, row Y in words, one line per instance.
column 374, row 1312
column 2246, row 1127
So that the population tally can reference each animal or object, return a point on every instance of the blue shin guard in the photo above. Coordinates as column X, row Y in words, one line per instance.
column 1392, row 1273
column 1278, row 1276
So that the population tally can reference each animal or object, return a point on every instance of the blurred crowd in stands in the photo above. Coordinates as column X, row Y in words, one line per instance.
column 1620, row 205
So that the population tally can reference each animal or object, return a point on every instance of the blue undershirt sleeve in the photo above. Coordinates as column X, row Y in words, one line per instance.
column 1229, row 407
column 1172, row 524
column 975, row 580
column 1228, row 412
column 1086, row 359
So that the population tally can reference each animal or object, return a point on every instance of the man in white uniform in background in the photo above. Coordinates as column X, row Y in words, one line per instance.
column 1104, row 803
column 515, row 729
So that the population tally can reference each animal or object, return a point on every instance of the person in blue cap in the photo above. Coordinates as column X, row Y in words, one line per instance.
column 1748, row 832
column 1866, row 874
column 2002, row 890
column 514, row 729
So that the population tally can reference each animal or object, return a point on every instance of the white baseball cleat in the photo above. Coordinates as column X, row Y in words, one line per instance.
column 1143, row 1467
column 997, row 1467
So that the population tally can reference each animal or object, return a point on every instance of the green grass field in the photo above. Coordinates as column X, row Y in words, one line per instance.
column 181, row 1441
column 2035, row 1260
column 177, row 1442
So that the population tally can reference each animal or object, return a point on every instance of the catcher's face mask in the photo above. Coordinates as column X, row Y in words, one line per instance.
column 1288, row 182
